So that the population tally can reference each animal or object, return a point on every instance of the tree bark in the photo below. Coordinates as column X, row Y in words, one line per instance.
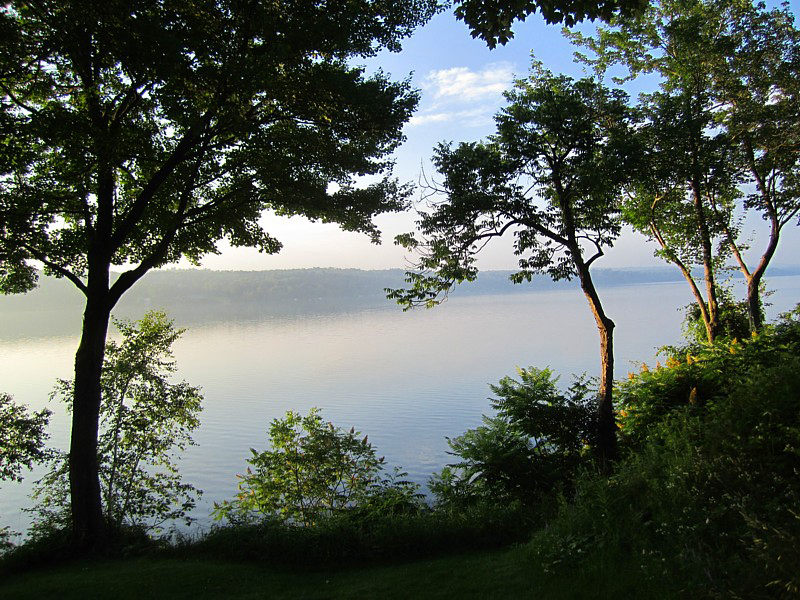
column 712, row 318
column 754, row 311
column 88, row 525
column 606, row 425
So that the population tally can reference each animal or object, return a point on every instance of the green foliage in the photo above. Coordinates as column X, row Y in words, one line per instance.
column 155, row 130
column 530, row 451
column 138, row 134
column 732, row 319
column 22, row 439
column 355, row 541
column 145, row 420
column 313, row 472
column 699, row 374
column 492, row 21
column 551, row 175
column 704, row 502
column 721, row 134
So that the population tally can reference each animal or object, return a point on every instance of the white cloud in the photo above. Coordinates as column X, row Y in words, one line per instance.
column 463, row 96
column 439, row 117
column 464, row 84
column 476, row 117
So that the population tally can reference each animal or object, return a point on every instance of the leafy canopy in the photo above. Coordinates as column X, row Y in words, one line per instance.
column 139, row 133
column 22, row 438
column 491, row 20
column 550, row 176
column 145, row 421
column 531, row 449
column 723, row 128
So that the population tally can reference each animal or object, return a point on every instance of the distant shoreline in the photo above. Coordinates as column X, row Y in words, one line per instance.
column 169, row 287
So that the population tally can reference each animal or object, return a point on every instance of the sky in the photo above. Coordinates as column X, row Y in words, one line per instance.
column 461, row 83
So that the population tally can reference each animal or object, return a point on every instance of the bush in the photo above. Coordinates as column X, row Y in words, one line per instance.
column 22, row 439
column 313, row 472
column 704, row 502
column 733, row 320
column 345, row 541
column 528, row 452
column 697, row 375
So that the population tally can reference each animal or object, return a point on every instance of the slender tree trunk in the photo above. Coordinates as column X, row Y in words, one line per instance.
column 87, row 512
column 687, row 275
column 754, row 311
column 606, row 426
column 712, row 320
column 754, row 314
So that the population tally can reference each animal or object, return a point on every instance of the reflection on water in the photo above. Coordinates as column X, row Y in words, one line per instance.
column 406, row 379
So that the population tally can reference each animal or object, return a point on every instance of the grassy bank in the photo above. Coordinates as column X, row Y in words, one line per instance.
column 501, row 574
column 497, row 574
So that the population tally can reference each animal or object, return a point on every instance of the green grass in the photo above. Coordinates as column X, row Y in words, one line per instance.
column 506, row 574
column 495, row 574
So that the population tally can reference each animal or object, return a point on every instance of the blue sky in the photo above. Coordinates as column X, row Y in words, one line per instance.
column 461, row 83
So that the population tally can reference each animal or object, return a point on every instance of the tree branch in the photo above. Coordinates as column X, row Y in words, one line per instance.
column 41, row 257
column 128, row 278
column 178, row 156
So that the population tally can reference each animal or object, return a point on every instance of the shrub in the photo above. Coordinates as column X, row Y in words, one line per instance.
column 732, row 318
column 697, row 375
column 315, row 471
column 705, row 502
column 531, row 449
column 22, row 439
column 378, row 538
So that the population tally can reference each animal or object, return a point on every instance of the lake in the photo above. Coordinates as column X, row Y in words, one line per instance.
column 408, row 380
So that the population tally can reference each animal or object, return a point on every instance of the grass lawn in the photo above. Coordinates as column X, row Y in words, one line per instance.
column 497, row 574
column 502, row 574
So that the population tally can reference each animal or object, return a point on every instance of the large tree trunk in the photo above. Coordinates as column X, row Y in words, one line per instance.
column 87, row 512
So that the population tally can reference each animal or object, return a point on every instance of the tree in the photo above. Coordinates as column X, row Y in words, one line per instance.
column 144, row 421
column 136, row 134
column 492, row 21
column 314, row 470
column 756, row 69
column 738, row 63
column 552, row 175
column 684, row 192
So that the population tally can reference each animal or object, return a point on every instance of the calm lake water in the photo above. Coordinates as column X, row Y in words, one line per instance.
column 407, row 380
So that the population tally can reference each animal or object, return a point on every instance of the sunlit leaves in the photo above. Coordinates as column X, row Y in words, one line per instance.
column 313, row 471
column 145, row 421
column 22, row 438
column 551, row 177
column 722, row 133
